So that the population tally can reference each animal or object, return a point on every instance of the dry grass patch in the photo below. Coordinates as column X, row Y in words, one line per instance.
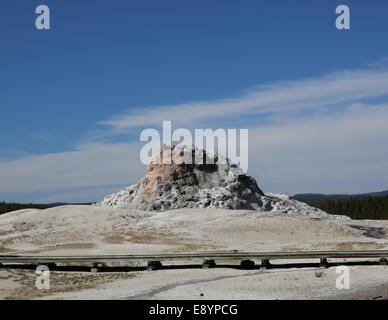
column 115, row 238
column 348, row 246
column 344, row 246
column 73, row 245
column 151, row 235
column 290, row 249
column 23, row 226
column 5, row 232
column 60, row 282
column 5, row 250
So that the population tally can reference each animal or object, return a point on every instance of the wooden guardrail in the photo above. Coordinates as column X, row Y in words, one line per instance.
column 264, row 257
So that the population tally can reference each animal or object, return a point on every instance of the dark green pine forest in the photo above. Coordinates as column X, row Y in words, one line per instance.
column 358, row 208
column 12, row 206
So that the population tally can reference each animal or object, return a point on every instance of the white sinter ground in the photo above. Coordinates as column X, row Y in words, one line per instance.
column 190, row 208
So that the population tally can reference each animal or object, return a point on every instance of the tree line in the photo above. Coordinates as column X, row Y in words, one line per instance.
column 12, row 206
column 358, row 208
column 375, row 208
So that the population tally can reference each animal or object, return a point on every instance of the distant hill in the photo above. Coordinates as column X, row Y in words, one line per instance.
column 12, row 206
column 319, row 199
column 57, row 204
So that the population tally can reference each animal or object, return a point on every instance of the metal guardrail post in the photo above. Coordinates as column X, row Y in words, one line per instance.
column 208, row 264
column 247, row 264
column 265, row 264
column 323, row 263
column 154, row 265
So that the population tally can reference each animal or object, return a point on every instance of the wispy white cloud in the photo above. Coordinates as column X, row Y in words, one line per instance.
column 342, row 152
column 339, row 145
column 91, row 165
column 88, row 195
column 307, row 94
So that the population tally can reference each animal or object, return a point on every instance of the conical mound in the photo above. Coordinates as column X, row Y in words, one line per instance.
column 213, row 183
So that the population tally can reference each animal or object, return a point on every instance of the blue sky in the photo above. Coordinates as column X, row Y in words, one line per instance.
column 74, row 99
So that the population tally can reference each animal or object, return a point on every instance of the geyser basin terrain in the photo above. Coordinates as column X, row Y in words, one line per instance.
column 214, row 183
